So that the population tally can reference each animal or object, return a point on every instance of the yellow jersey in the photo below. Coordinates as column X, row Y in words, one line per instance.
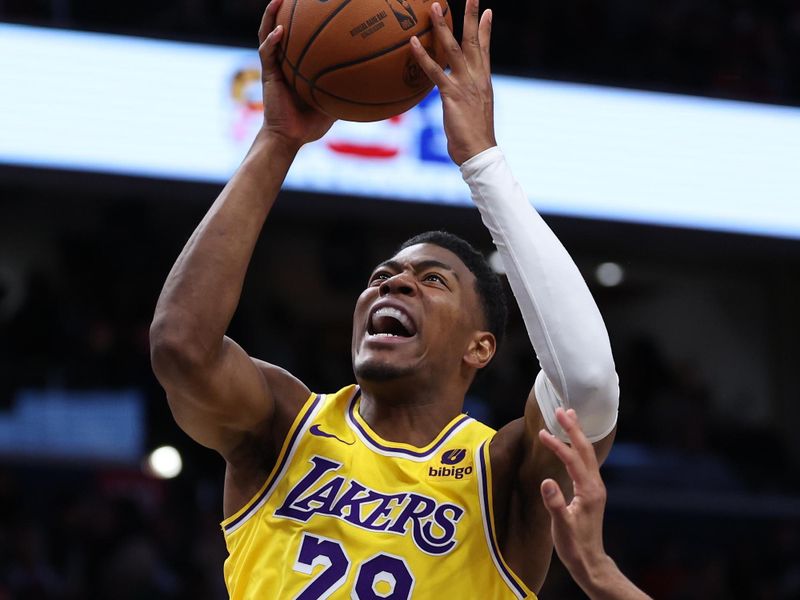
column 346, row 514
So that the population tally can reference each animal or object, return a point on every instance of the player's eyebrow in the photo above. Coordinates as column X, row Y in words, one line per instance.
column 418, row 266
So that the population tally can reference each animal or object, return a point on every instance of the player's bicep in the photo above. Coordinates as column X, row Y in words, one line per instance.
column 219, row 402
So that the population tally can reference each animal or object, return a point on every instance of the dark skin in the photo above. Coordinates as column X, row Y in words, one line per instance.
column 243, row 407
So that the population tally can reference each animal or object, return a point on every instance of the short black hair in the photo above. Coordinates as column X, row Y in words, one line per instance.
column 487, row 283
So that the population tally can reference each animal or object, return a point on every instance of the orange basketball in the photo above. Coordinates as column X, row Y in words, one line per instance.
column 351, row 58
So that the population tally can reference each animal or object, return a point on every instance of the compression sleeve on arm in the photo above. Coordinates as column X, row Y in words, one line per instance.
column 561, row 317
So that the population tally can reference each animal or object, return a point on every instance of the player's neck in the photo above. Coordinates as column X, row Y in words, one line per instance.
column 412, row 416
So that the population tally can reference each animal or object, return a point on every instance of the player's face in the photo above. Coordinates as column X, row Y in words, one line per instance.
column 417, row 315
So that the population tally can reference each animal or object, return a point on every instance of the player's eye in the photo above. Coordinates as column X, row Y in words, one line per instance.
column 435, row 277
column 379, row 276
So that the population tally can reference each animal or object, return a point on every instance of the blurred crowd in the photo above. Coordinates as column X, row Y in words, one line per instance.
column 744, row 49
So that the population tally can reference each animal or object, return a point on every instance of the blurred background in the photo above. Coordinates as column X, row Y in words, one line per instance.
column 704, row 493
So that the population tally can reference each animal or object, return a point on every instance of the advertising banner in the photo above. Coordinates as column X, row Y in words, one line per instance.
column 134, row 106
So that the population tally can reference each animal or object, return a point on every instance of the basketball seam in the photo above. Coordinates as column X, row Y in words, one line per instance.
column 314, row 36
column 382, row 52
column 288, row 35
column 348, row 100
column 423, row 93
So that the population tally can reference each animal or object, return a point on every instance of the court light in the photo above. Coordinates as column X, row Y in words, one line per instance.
column 164, row 463
column 609, row 274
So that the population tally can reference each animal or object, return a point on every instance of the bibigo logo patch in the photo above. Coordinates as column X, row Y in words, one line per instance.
column 450, row 466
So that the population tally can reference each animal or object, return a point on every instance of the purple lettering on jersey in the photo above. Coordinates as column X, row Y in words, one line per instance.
column 362, row 507
column 323, row 498
column 321, row 466
column 417, row 511
column 417, row 508
column 383, row 510
column 349, row 506
column 446, row 523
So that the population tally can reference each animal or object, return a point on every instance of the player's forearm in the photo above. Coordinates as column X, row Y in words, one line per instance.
column 203, row 288
column 606, row 582
column 561, row 317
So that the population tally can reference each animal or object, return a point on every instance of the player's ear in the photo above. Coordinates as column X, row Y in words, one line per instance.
column 481, row 349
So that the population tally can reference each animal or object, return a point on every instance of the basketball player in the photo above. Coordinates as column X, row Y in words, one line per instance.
column 363, row 493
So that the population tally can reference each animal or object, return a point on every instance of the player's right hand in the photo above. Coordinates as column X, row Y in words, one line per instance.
column 286, row 117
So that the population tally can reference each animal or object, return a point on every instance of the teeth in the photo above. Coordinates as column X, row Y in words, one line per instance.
column 384, row 335
column 388, row 311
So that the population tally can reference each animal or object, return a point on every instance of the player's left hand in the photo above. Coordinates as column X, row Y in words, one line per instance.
column 466, row 90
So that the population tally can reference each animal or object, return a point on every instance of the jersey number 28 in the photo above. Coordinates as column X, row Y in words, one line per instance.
column 382, row 577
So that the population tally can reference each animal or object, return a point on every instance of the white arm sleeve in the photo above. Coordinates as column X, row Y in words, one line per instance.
column 562, row 319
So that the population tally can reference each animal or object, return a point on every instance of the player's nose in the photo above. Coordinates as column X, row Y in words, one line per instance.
column 401, row 283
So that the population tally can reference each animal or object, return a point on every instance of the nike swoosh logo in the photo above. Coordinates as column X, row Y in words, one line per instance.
column 315, row 430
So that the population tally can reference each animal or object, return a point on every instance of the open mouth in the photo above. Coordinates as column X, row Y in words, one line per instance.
column 390, row 322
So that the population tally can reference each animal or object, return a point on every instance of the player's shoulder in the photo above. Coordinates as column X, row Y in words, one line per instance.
column 289, row 395
column 507, row 444
column 283, row 385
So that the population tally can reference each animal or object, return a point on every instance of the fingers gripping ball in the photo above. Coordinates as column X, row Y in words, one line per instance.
column 351, row 58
